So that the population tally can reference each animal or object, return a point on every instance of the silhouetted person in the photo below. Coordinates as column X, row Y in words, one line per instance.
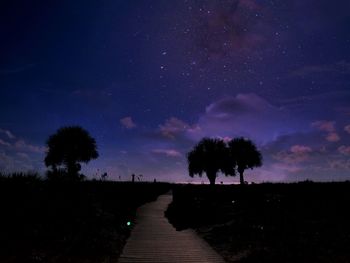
column 133, row 178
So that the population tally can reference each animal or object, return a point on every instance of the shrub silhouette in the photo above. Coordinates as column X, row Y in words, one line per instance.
column 68, row 147
column 209, row 156
column 245, row 155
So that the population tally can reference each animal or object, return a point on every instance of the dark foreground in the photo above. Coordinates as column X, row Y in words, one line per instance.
column 304, row 222
column 45, row 221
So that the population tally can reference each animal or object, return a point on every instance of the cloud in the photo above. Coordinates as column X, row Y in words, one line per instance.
column 333, row 137
column 3, row 143
column 344, row 150
column 293, row 144
column 173, row 127
column 342, row 67
column 167, row 152
column 22, row 145
column 9, row 163
column 17, row 145
column 296, row 154
column 347, row 128
column 300, row 149
column 8, row 133
column 340, row 164
column 128, row 123
column 335, row 106
column 18, row 155
column 247, row 115
column 306, row 155
column 241, row 104
column 329, row 127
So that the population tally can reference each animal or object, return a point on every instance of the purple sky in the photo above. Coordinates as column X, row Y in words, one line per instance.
column 149, row 79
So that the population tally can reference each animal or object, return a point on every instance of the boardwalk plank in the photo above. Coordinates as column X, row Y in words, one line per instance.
column 154, row 240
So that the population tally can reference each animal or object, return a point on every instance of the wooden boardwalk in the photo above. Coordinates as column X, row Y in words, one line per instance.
column 154, row 239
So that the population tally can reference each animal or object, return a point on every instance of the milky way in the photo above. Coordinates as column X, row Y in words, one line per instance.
column 149, row 79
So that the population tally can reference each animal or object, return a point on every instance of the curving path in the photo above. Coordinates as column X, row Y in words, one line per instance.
column 154, row 239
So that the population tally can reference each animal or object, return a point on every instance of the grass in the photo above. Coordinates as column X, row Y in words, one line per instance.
column 53, row 221
column 302, row 222
column 43, row 221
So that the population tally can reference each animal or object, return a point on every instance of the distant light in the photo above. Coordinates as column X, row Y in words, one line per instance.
column 128, row 223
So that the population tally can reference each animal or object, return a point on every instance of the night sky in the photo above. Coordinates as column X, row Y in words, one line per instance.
column 149, row 79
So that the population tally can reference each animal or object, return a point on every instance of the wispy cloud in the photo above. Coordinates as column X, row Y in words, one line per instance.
column 347, row 128
column 14, row 163
column 333, row 137
column 292, row 149
column 127, row 122
column 344, row 150
column 167, row 152
column 172, row 127
column 296, row 154
column 22, row 145
column 16, row 69
column 8, row 133
column 329, row 127
column 324, row 125
column 19, row 155
column 341, row 67
column 4, row 143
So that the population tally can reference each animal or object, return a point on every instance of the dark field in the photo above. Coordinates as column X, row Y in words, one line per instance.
column 43, row 221
column 303, row 222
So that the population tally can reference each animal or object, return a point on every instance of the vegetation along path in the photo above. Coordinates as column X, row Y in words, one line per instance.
column 154, row 239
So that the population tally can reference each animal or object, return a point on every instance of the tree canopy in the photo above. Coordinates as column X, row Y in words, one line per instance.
column 209, row 156
column 245, row 155
column 68, row 147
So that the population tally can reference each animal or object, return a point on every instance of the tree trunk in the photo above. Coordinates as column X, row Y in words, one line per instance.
column 72, row 169
column 241, row 178
column 212, row 177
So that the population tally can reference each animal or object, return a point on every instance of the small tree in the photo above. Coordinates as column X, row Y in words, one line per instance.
column 68, row 147
column 209, row 156
column 245, row 155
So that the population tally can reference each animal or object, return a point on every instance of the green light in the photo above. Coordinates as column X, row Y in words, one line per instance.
column 128, row 223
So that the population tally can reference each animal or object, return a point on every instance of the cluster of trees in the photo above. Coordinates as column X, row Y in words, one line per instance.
column 72, row 145
column 211, row 156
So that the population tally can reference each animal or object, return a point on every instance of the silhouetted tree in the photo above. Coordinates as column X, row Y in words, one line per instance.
column 209, row 156
column 245, row 155
column 68, row 147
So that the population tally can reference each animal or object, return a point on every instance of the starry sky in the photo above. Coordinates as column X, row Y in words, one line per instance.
column 149, row 79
